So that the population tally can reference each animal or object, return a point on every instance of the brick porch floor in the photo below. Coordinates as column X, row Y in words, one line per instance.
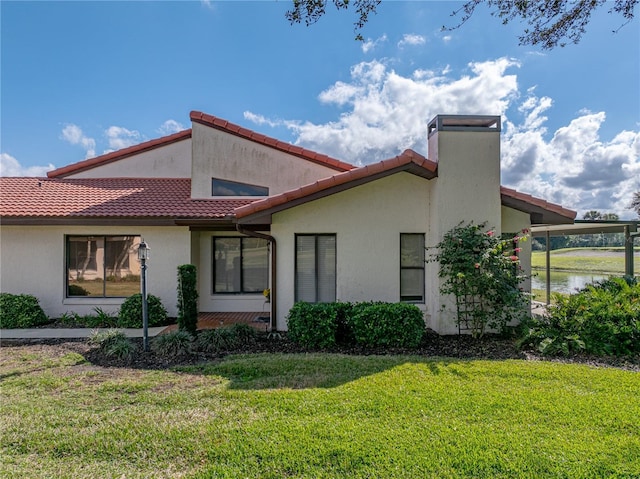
column 217, row 320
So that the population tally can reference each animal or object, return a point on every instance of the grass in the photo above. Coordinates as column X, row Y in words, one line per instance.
column 587, row 263
column 317, row 416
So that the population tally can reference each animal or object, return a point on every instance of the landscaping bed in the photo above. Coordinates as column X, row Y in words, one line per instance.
column 433, row 346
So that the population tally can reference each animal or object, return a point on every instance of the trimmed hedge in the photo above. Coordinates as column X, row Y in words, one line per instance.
column 398, row 325
column 20, row 311
column 130, row 315
column 323, row 325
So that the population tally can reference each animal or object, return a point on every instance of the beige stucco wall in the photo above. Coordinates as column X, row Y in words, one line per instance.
column 367, row 221
column 467, row 190
column 32, row 261
column 221, row 302
column 221, row 155
column 170, row 161
column 514, row 221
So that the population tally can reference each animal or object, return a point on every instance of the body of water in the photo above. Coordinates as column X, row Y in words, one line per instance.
column 562, row 282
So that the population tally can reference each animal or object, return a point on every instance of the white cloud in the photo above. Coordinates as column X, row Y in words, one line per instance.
column 447, row 38
column 119, row 137
column 387, row 112
column 170, row 126
column 74, row 135
column 260, row 119
column 370, row 44
column 9, row 166
column 411, row 39
column 383, row 112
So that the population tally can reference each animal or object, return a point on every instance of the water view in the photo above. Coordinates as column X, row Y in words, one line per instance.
column 563, row 282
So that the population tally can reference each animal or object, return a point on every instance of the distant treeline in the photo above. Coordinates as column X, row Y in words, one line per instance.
column 579, row 241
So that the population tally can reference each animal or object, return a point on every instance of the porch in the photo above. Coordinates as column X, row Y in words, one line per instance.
column 259, row 320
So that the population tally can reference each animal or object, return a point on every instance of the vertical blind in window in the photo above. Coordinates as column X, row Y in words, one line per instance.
column 241, row 265
column 315, row 274
column 412, row 267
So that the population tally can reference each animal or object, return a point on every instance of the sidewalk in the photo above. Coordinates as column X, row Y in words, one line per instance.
column 69, row 333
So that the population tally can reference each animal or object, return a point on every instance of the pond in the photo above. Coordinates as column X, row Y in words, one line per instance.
column 563, row 282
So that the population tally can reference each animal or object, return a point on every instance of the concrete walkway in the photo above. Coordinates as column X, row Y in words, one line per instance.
column 69, row 333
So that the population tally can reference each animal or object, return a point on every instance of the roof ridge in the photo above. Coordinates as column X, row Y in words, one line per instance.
column 237, row 130
column 119, row 154
column 403, row 162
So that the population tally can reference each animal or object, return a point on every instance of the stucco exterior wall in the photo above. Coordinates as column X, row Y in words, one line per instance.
column 220, row 155
column 170, row 161
column 367, row 221
column 35, row 264
column 514, row 221
column 467, row 190
column 207, row 301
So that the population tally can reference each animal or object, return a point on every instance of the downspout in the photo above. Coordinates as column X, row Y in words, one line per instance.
column 273, row 288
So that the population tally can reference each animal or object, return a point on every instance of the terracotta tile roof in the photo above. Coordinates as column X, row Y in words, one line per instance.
column 224, row 125
column 541, row 211
column 107, row 198
column 118, row 155
column 409, row 161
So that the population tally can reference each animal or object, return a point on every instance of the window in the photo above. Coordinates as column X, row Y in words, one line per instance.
column 102, row 266
column 233, row 188
column 412, row 267
column 240, row 265
column 315, row 273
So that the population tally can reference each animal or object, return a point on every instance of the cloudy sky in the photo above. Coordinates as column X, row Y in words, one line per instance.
column 83, row 78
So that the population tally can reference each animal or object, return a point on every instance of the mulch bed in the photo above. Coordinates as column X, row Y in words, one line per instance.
column 434, row 346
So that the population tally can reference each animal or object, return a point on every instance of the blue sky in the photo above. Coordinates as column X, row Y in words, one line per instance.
column 79, row 79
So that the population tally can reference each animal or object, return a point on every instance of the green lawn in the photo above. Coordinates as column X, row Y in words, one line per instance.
column 316, row 416
column 570, row 259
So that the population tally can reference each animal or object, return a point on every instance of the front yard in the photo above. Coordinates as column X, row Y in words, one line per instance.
column 315, row 415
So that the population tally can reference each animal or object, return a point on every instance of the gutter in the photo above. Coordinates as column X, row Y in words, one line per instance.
column 273, row 288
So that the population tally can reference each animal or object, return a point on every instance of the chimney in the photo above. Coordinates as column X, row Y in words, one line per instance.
column 467, row 150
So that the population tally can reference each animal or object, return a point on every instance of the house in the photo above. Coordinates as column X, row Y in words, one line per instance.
column 254, row 213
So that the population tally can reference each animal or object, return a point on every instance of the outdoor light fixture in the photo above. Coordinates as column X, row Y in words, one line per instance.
column 143, row 256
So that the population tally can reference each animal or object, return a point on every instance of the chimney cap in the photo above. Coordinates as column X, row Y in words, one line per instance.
column 489, row 123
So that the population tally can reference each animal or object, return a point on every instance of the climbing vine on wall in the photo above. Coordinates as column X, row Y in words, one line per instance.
column 482, row 271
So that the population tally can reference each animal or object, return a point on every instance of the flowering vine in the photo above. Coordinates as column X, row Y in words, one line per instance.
column 483, row 272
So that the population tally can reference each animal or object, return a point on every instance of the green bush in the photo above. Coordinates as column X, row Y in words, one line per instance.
column 130, row 315
column 323, row 325
column 601, row 319
column 313, row 325
column 226, row 338
column 20, row 311
column 114, row 343
column 173, row 344
column 243, row 334
column 387, row 325
column 214, row 341
column 187, row 298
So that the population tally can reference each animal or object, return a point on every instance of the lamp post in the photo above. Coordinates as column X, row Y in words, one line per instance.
column 143, row 256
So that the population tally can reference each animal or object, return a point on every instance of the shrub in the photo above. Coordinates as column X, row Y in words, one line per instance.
column 243, row 334
column 226, row 338
column 387, row 325
column 130, row 315
column 77, row 290
column 214, row 341
column 187, row 298
column 601, row 319
column 113, row 343
column 173, row 344
column 20, row 311
column 483, row 273
column 313, row 325
column 323, row 325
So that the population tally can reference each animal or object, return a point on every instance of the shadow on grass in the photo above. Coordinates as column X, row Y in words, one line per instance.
column 316, row 370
